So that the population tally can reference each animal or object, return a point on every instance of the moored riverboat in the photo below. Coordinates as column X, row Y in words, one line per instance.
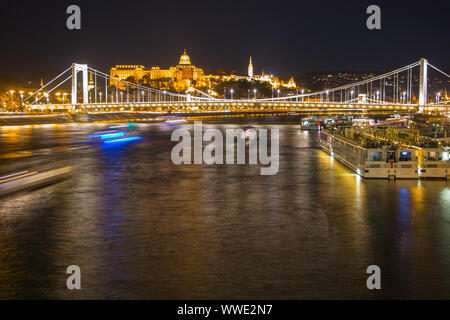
column 434, row 162
column 310, row 124
column 371, row 158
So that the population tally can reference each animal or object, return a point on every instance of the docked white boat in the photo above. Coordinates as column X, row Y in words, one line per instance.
column 371, row 159
column 310, row 124
column 434, row 163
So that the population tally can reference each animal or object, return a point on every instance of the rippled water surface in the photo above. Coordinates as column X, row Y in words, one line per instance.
column 142, row 227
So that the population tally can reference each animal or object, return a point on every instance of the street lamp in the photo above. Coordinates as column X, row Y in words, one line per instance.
column 302, row 95
column 121, row 96
column 254, row 92
column 100, row 96
column 232, row 94
column 438, row 97
column 326, row 99
column 278, row 91
column 12, row 95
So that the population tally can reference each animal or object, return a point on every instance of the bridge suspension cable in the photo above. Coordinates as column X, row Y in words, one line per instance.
column 46, row 85
column 448, row 76
column 379, row 97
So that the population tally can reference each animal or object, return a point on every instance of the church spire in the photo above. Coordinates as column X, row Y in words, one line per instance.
column 91, row 81
column 250, row 68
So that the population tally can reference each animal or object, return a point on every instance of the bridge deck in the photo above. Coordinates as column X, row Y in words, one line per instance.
column 238, row 106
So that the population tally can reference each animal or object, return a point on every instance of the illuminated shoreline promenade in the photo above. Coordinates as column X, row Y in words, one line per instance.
column 156, row 112
column 152, row 111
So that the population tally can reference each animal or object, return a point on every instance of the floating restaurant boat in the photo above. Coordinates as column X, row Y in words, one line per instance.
column 369, row 158
column 375, row 157
column 434, row 162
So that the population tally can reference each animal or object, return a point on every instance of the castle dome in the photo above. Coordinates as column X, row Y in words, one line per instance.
column 184, row 59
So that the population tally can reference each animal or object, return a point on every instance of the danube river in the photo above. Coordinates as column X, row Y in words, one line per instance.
column 141, row 227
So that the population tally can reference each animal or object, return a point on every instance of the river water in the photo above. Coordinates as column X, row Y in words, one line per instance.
column 140, row 227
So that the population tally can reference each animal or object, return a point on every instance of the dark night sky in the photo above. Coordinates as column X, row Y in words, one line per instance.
column 284, row 37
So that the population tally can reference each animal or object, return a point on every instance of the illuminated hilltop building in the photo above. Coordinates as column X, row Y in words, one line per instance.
column 182, row 76
column 275, row 82
column 250, row 69
column 186, row 76
column 91, row 84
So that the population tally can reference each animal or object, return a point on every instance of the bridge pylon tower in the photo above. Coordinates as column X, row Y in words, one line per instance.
column 76, row 67
column 423, row 84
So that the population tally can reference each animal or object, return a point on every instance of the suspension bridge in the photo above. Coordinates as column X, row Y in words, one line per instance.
column 394, row 91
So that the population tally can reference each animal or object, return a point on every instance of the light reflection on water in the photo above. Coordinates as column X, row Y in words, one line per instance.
column 141, row 227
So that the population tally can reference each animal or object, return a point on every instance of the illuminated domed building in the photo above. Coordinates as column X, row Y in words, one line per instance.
column 181, row 77
column 186, row 75
column 184, row 59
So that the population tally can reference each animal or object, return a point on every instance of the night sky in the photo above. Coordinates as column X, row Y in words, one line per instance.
column 283, row 37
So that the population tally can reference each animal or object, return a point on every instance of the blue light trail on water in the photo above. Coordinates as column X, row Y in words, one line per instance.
column 107, row 134
column 112, row 135
column 123, row 139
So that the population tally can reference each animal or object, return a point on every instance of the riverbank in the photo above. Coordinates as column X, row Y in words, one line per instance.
column 17, row 119
column 32, row 119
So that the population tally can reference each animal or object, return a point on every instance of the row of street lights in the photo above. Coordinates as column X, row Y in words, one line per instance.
column 39, row 94
column 248, row 93
column 375, row 96
column 232, row 91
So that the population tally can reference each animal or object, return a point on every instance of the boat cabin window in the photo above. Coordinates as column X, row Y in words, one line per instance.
column 376, row 156
column 390, row 156
column 446, row 155
column 434, row 156
column 405, row 156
